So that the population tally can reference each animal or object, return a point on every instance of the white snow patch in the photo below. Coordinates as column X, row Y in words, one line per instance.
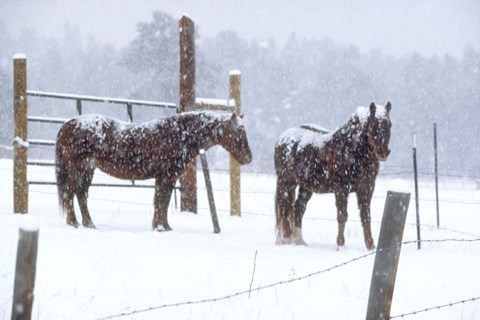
column 28, row 222
column 399, row 185
column 364, row 112
column 235, row 72
column 21, row 142
column 216, row 102
column 20, row 56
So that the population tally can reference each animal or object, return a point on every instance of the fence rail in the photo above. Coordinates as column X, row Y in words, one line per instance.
column 87, row 98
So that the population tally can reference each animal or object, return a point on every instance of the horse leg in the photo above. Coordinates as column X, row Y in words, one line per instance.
column 67, row 201
column 163, row 193
column 64, row 188
column 364, row 198
column 300, row 205
column 82, row 196
column 341, row 201
column 284, row 199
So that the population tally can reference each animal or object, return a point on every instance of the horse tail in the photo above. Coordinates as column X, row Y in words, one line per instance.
column 61, row 175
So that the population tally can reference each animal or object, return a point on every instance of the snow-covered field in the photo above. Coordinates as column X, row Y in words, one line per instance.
column 123, row 266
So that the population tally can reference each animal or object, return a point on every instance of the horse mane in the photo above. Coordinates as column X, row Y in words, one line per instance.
column 315, row 128
column 190, row 121
column 351, row 132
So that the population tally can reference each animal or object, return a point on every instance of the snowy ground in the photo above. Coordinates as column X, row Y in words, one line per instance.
column 123, row 266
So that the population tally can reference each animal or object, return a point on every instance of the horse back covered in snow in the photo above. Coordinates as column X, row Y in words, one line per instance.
column 340, row 162
column 159, row 149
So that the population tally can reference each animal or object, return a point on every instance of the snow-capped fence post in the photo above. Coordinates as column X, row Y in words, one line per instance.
column 387, row 255
column 188, row 194
column 20, row 144
column 235, row 94
column 25, row 270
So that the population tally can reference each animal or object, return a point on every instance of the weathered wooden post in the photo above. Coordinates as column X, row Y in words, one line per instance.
column 188, row 195
column 20, row 144
column 235, row 94
column 387, row 256
column 435, row 150
column 25, row 270
column 417, row 200
column 208, row 185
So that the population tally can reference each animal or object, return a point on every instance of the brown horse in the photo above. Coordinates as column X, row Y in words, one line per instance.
column 159, row 149
column 340, row 162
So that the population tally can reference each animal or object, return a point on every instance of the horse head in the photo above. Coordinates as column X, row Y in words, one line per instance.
column 378, row 130
column 234, row 140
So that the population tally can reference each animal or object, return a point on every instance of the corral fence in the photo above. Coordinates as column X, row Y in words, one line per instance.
column 188, row 102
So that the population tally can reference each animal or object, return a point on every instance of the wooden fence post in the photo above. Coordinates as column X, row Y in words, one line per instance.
column 208, row 185
column 25, row 270
column 188, row 194
column 235, row 94
column 387, row 256
column 435, row 151
column 417, row 200
column 20, row 145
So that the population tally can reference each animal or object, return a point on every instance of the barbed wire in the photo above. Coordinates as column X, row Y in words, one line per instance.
column 451, row 304
column 387, row 170
column 278, row 283
column 271, row 192
column 243, row 292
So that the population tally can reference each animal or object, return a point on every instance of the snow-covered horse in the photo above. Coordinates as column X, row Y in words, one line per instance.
column 159, row 149
column 340, row 162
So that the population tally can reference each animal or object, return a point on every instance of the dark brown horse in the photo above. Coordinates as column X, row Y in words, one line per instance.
column 340, row 162
column 159, row 149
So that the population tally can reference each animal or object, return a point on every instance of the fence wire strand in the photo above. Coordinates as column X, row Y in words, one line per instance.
column 239, row 293
column 307, row 276
column 447, row 305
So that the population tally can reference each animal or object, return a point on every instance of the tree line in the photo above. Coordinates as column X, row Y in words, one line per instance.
column 318, row 81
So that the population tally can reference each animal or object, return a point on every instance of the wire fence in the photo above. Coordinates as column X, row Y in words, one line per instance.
column 310, row 275
column 442, row 306
column 300, row 278
column 386, row 170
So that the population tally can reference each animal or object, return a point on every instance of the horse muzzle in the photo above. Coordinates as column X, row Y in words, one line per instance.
column 382, row 155
column 246, row 159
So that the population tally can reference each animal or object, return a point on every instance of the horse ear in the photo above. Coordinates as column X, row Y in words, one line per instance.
column 373, row 109
column 233, row 117
column 388, row 106
column 241, row 115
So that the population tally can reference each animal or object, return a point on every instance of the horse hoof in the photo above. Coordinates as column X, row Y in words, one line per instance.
column 370, row 246
column 300, row 242
column 74, row 224
column 298, row 237
column 283, row 241
column 89, row 225
column 340, row 241
column 161, row 228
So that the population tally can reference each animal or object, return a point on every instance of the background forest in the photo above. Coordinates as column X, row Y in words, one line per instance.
column 317, row 81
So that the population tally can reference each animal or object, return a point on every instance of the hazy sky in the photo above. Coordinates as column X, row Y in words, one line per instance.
column 396, row 26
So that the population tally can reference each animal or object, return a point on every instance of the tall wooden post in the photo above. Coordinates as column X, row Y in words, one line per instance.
column 20, row 107
column 387, row 256
column 417, row 200
column 188, row 195
column 436, row 172
column 235, row 94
